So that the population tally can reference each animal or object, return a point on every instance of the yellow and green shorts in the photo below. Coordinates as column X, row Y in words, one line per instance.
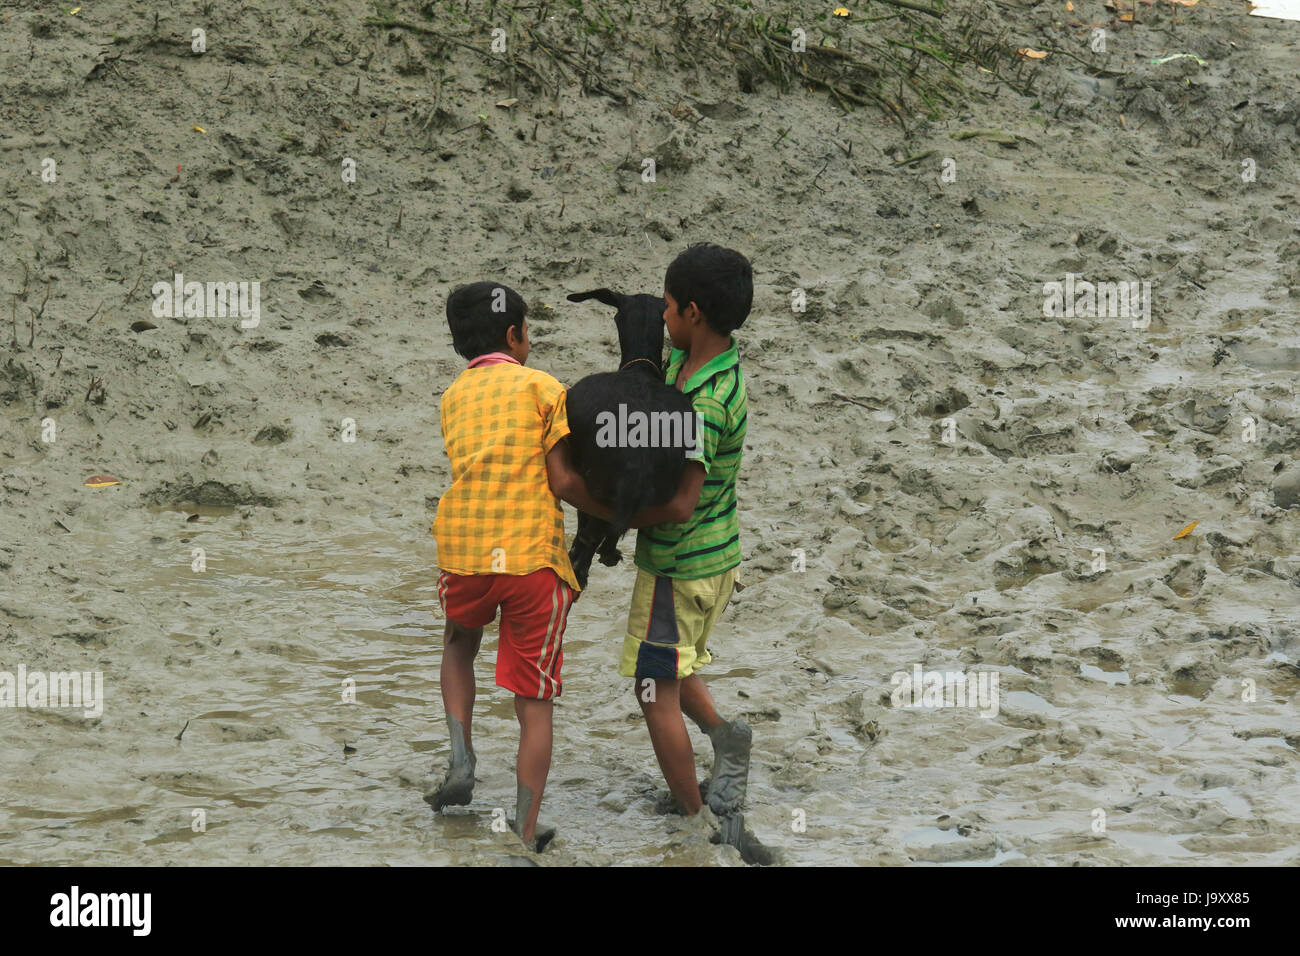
column 669, row 622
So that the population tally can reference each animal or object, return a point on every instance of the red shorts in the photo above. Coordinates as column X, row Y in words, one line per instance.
column 534, row 608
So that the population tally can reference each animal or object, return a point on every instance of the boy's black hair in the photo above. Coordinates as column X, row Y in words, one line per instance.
column 719, row 281
column 480, row 315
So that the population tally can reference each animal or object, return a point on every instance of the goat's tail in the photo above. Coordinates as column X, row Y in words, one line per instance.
column 627, row 502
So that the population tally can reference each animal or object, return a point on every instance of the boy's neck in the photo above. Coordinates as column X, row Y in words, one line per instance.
column 705, row 346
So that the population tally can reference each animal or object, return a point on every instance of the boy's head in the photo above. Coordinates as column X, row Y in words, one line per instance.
column 718, row 282
column 487, row 317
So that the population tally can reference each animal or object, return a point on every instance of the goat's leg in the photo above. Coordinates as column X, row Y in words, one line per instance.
column 609, row 553
column 591, row 532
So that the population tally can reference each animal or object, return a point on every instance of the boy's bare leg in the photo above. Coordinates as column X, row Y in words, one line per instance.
column 534, row 764
column 697, row 703
column 672, row 744
column 456, row 676
column 731, row 744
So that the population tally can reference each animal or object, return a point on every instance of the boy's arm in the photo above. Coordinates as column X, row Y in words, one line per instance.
column 567, row 485
column 682, row 505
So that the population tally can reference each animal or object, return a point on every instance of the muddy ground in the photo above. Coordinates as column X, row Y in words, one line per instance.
column 1160, row 691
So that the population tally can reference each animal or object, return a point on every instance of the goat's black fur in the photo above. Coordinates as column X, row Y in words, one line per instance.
column 626, row 479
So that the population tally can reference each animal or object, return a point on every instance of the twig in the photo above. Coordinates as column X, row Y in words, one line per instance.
column 136, row 286
column 915, row 159
column 818, row 176
column 854, row 401
column 390, row 23
column 905, row 4
column 37, row 314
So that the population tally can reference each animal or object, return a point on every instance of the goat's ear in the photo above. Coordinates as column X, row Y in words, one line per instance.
column 600, row 295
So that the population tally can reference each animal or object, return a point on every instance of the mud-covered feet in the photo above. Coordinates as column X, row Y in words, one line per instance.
column 457, row 787
column 731, row 743
column 541, row 839
column 703, row 825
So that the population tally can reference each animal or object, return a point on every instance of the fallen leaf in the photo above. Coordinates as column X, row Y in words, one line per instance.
column 506, row 104
column 1069, row 5
column 199, row 129
column 1032, row 54
column 101, row 481
column 1186, row 531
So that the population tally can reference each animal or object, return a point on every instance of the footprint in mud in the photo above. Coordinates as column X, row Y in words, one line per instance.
column 949, row 844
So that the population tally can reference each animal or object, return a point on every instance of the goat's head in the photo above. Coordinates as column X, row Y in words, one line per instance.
column 640, row 321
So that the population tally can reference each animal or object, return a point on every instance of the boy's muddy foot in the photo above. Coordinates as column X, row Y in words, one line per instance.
column 731, row 743
column 542, row 837
column 704, row 824
column 457, row 787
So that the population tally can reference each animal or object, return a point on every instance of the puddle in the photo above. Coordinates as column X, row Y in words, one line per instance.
column 203, row 511
column 1162, row 844
column 1190, row 691
column 1002, row 856
column 1111, row 677
column 1028, row 700
column 1234, row 803
column 932, row 836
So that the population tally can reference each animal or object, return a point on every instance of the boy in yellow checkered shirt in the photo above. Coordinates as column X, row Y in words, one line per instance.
column 500, row 537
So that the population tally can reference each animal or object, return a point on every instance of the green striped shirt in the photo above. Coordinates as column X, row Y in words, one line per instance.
column 708, row 543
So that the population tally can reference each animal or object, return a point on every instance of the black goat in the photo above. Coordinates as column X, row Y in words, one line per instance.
column 626, row 475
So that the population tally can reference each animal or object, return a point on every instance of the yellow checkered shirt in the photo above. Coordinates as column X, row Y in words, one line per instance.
column 499, row 515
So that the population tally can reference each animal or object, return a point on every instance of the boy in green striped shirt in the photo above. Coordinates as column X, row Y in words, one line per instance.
column 687, row 550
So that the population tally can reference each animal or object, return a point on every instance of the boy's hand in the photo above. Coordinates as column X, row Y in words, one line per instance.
column 567, row 485
column 682, row 505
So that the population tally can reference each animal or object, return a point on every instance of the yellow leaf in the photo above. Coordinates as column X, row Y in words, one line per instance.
column 74, row 11
column 199, row 129
column 1032, row 54
column 101, row 481
column 841, row 11
column 1186, row 531
column 1069, row 5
